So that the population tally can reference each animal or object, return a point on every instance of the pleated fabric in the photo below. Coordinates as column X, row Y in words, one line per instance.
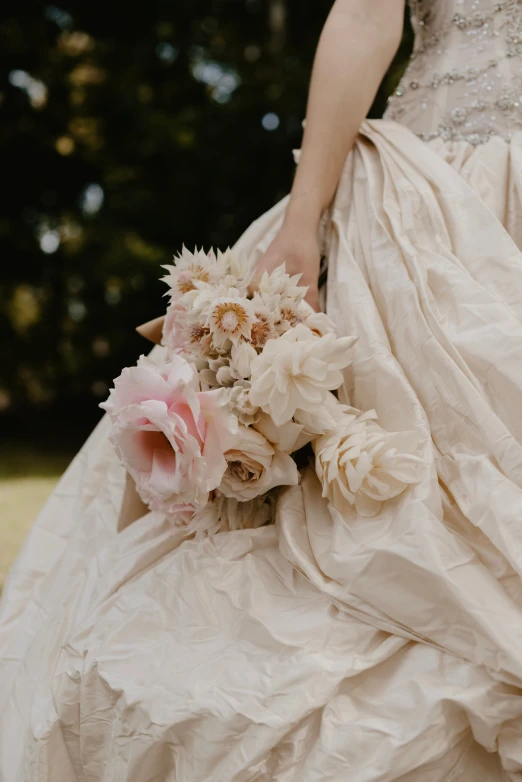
column 318, row 649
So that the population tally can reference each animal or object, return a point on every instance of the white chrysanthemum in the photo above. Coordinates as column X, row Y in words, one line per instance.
column 229, row 319
column 190, row 268
column 360, row 465
column 297, row 370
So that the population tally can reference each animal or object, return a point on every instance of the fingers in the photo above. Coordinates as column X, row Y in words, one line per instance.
column 153, row 330
column 312, row 297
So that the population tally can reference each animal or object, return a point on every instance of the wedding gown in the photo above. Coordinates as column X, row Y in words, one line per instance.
column 319, row 649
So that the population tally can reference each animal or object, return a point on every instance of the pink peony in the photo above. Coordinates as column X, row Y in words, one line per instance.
column 170, row 436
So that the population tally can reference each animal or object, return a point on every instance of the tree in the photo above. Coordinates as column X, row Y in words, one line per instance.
column 127, row 131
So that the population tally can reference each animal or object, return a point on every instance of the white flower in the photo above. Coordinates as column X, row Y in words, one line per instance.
column 240, row 403
column 239, row 268
column 189, row 268
column 297, row 370
column 200, row 299
column 318, row 322
column 279, row 283
column 286, row 438
column 242, row 356
column 225, row 377
column 360, row 464
column 254, row 467
column 279, row 296
column 323, row 418
column 208, row 373
column 229, row 319
column 197, row 341
column 263, row 328
column 280, row 311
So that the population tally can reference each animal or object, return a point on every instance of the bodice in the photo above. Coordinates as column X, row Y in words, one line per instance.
column 464, row 79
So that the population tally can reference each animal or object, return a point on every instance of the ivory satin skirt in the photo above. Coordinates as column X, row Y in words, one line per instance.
column 317, row 649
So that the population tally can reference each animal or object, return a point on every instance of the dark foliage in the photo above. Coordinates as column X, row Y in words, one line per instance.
column 126, row 130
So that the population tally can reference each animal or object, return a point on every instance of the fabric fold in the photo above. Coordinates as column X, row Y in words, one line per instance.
column 388, row 646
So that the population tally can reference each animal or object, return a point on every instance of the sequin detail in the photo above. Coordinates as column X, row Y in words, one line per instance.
column 464, row 79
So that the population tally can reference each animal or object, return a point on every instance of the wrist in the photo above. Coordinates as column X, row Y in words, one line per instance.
column 302, row 221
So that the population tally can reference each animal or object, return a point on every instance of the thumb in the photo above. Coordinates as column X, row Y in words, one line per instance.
column 152, row 330
column 312, row 298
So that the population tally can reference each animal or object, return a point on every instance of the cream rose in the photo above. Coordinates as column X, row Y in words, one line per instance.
column 255, row 467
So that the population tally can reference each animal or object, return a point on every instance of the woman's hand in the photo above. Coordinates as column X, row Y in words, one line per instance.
column 299, row 251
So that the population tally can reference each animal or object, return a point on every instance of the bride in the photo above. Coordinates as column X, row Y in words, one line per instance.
column 322, row 648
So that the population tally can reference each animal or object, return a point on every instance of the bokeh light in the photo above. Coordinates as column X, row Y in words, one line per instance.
column 270, row 121
column 49, row 242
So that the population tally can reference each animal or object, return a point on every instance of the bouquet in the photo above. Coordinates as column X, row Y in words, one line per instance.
column 208, row 425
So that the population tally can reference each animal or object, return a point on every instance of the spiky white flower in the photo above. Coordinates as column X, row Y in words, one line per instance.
column 190, row 268
column 264, row 327
column 239, row 268
column 229, row 319
column 360, row 465
column 297, row 370
column 279, row 283
column 199, row 301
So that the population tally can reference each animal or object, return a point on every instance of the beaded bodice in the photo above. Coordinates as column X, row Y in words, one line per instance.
column 464, row 79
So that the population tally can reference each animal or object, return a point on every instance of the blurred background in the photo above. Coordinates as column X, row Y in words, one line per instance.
column 126, row 130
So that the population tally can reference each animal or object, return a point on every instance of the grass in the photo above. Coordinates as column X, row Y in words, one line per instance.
column 27, row 477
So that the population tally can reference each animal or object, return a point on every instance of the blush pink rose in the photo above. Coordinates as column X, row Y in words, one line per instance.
column 169, row 435
column 173, row 334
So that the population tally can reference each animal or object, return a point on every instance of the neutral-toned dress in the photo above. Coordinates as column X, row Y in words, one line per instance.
column 321, row 649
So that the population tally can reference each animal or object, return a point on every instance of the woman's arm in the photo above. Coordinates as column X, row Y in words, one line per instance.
column 357, row 44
